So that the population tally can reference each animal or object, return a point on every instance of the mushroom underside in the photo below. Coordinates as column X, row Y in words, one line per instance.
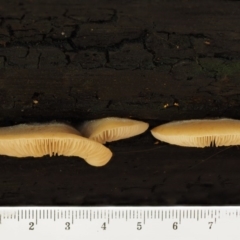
column 200, row 141
column 112, row 129
column 38, row 140
column 95, row 154
column 117, row 134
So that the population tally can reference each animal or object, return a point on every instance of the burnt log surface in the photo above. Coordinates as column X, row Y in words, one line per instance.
column 156, row 61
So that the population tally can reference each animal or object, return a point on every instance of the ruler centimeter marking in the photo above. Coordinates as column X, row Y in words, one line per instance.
column 120, row 220
column 39, row 213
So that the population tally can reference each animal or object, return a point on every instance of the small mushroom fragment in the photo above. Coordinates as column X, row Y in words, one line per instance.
column 38, row 140
column 112, row 129
column 200, row 133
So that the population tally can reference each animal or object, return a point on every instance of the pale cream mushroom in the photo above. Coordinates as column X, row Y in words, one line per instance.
column 37, row 140
column 112, row 129
column 200, row 133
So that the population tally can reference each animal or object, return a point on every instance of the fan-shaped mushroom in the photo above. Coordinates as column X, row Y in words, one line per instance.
column 37, row 140
column 200, row 133
column 112, row 129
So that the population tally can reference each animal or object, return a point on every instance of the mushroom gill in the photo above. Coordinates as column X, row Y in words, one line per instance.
column 112, row 129
column 37, row 140
column 200, row 133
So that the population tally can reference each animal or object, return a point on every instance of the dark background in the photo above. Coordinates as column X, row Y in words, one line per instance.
column 152, row 60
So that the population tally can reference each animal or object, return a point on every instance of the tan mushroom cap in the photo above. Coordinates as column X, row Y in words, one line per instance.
column 200, row 133
column 38, row 140
column 112, row 129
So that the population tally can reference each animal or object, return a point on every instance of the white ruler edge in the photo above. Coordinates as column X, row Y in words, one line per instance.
column 181, row 222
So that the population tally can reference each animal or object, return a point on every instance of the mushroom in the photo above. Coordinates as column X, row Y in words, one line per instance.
column 112, row 129
column 38, row 140
column 200, row 133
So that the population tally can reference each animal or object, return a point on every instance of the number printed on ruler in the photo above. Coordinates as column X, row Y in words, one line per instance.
column 108, row 222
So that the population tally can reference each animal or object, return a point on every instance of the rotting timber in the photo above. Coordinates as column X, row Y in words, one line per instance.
column 156, row 61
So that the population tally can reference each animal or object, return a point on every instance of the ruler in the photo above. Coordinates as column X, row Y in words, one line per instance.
column 117, row 222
